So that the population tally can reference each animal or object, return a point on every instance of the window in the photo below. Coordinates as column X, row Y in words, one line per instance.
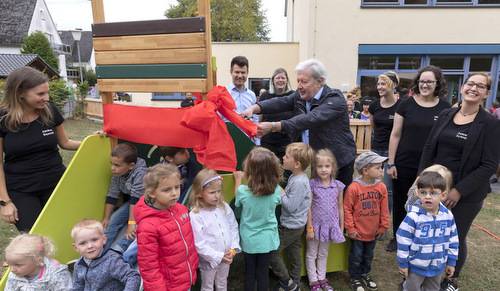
column 425, row 3
column 377, row 62
column 255, row 84
column 168, row 96
column 480, row 63
column 448, row 63
column 409, row 63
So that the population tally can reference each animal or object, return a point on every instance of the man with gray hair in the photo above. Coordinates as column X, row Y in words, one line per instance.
column 319, row 117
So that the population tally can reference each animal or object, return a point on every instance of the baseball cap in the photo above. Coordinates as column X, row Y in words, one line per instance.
column 368, row 158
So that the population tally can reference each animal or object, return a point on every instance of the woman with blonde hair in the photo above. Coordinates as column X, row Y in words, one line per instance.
column 30, row 132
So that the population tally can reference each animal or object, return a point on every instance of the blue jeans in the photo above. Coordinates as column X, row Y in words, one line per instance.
column 360, row 258
column 387, row 179
column 130, row 255
column 117, row 220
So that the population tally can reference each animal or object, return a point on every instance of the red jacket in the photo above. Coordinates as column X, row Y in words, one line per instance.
column 166, row 253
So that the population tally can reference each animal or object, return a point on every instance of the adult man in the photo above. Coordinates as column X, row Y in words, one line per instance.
column 188, row 102
column 320, row 116
column 243, row 97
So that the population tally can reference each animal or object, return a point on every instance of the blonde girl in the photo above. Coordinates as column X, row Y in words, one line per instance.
column 258, row 226
column 215, row 230
column 32, row 268
column 441, row 170
column 166, row 253
column 325, row 220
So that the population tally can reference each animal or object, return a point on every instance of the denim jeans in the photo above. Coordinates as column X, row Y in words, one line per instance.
column 130, row 255
column 360, row 258
column 117, row 220
column 387, row 179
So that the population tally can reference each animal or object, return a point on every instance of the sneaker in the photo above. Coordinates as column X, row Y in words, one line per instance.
column 356, row 285
column 449, row 285
column 383, row 237
column 493, row 180
column 315, row 286
column 289, row 285
column 325, row 286
column 401, row 287
column 392, row 246
column 369, row 283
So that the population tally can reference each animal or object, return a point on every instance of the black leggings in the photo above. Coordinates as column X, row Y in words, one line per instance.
column 464, row 213
column 29, row 206
column 400, row 187
column 345, row 173
column 257, row 268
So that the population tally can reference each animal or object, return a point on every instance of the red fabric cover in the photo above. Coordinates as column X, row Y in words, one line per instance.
column 198, row 127
column 166, row 252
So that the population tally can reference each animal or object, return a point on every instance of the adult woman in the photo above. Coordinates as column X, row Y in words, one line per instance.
column 30, row 130
column 465, row 140
column 353, row 114
column 413, row 121
column 381, row 119
column 279, row 87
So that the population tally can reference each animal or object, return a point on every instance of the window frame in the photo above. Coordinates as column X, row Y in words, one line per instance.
column 430, row 3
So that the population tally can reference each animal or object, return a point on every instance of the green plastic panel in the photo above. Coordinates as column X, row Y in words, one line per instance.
column 156, row 71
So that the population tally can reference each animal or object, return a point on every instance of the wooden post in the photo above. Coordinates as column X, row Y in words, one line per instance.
column 204, row 11
column 98, row 16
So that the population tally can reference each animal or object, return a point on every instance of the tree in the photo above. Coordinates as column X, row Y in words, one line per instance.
column 233, row 20
column 37, row 43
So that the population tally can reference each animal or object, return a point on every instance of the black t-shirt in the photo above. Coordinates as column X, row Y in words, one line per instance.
column 276, row 138
column 450, row 146
column 383, row 119
column 32, row 161
column 417, row 125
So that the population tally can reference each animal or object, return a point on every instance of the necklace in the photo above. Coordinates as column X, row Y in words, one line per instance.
column 465, row 115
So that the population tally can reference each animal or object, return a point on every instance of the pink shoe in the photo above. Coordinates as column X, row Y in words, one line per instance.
column 325, row 286
column 315, row 286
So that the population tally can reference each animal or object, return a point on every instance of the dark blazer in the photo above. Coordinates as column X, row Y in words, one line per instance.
column 480, row 156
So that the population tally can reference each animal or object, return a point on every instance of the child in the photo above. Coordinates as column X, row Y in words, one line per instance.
column 258, row 224
column 166, row 255
column 295, row 203
column 427, row 237
column 32, row 268
column 366, row 217
column 325, row 220
column 215, row 230
column 128, row 172
column 187, row 166
column 442, row 170
column 99, row 268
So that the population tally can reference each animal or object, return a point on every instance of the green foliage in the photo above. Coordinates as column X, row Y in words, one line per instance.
column 89, row 76
column 59, row 93
column 234, row 20
column 1, row 89
column 83, row 90
column 37, row 43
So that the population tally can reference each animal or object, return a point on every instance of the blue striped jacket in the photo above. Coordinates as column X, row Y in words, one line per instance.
column 426, row 243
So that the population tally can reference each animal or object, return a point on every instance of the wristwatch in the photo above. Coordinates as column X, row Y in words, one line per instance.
column 273, row 127
column 3, row 202
column 390, row 166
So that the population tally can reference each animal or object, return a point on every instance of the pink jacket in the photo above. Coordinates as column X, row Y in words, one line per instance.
column 166, row 253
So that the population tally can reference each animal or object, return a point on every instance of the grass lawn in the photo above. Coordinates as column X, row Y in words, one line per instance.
column 481, row 272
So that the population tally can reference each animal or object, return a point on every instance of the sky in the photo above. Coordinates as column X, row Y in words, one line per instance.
column 71, row 14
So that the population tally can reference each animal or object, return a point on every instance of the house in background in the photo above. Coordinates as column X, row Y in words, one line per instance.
column 9, row 62
column 20, row 17
column 87, row 55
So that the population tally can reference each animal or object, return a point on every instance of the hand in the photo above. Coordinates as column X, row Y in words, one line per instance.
column 354, row 236
column 310, row 235
column 452, row 198
column 403, row 271
column 378, row 234
column 449, row 270
column 247, row 114
column 9, row 213
column 263, row 129
column 105, row 223
column 228, row 257
column 130, row 232
column 238, row 175
column 392, row 172
column 101, row 133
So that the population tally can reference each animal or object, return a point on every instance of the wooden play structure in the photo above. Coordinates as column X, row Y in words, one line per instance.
column 169, row 55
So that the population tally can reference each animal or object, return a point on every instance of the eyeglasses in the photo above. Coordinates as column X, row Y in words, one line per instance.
column 427, row 82
column 424, row 193
column 471, row 84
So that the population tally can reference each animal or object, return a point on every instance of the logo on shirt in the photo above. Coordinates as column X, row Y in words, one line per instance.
column 184, row 217
column 461, row 135
column 436, row 117
column 128, row 186
column 391, row 116
column 47, row 132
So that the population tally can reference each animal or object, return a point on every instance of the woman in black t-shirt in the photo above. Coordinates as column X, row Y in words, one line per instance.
column 465, row 140
column 279, row 87
column 30, row 131
column 413, row 121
